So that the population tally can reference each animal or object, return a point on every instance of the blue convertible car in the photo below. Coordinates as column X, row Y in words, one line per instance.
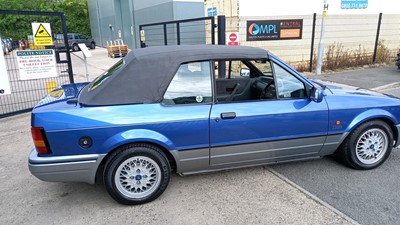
column 194, row 109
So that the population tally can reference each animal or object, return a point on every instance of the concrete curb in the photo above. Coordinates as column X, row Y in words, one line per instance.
column 313, row 197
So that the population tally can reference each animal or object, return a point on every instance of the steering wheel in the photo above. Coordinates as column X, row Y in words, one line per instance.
column 266, row 93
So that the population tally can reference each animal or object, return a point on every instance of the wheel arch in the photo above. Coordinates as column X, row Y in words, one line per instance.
column 375, row 114
column 347, row 154
column 146, row 137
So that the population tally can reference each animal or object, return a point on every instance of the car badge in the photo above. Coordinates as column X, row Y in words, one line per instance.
column 199, row 99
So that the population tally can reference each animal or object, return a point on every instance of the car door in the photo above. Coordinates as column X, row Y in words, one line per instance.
column 85, row 40
column 289, row 126
column 186, row 108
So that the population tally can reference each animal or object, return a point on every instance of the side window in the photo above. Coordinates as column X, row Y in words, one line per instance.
column 190, row 85
column 288, row 86
column 232, row 69
column 244, row 80
column 263, row 66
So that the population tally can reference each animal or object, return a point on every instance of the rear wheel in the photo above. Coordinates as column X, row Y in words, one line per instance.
column 75, row 47
column 368, row 146
column 137, row 174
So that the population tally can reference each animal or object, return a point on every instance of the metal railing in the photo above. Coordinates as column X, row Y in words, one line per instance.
column 177, row 32
column 25, row 93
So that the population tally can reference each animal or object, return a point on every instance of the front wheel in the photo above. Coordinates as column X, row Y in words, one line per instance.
column 92, row 45
column 368, row 146
column 137, row 174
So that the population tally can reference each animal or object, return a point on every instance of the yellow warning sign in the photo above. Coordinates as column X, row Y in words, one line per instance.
column 42, row 34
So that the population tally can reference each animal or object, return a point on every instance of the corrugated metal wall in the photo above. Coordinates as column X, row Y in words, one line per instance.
column 125, row 16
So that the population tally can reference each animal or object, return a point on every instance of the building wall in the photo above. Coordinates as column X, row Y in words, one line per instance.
column 125, row 16
column 296, row 7
column 352, row 30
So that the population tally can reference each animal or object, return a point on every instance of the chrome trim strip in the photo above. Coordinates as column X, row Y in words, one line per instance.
column 35, row 159
column 266, row 140
column 193, row 159
column 267, row 150
column 263, row 159
column 244, row 166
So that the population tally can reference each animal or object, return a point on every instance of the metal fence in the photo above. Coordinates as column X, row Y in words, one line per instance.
column 25, row 93
column 178, row 32
column 354, row 35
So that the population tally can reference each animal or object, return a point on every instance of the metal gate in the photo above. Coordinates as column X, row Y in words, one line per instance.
column 25, row 93
column 178, row 32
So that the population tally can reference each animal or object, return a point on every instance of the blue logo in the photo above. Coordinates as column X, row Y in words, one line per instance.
column 255, row 29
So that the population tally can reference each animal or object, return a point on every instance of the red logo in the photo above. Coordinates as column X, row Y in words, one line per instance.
column 232, row 37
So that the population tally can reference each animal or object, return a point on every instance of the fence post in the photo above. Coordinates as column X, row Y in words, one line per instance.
column 312, row 41
column 178, row 34
column 221, row 30
column 68, row 54
column 165, row 34
column 377, row 38
column 221, row 41
column 213, row 31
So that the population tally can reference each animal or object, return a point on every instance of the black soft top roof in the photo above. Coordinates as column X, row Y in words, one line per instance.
column 147, row 72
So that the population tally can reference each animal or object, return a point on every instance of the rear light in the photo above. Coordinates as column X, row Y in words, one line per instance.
column 39, row 140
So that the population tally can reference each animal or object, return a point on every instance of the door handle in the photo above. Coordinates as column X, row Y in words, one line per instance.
column 228, row 115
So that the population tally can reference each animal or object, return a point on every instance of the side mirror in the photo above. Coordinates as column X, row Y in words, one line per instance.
column 316, row 95
column 245, row 72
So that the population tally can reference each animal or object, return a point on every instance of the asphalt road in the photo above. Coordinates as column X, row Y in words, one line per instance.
column 368, row 197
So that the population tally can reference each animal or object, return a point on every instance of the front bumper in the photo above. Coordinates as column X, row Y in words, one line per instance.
column 76, row 168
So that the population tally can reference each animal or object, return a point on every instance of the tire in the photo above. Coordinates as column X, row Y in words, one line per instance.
column 149, row 176
column 368, row 146
column 75, row 48
column 92, row 45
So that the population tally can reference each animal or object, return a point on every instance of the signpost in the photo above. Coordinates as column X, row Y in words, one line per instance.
column 86, row 54
column 42, row 34
column 321, row 40
column 232, row 38
column 4, row 82
column 35, row 64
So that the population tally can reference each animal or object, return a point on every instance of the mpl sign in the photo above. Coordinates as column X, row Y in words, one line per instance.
column 232, row 38
column 267, row 30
